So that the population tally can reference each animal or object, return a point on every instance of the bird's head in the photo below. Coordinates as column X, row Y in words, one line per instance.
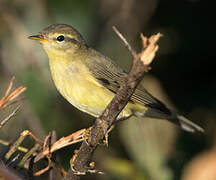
column 60, row 39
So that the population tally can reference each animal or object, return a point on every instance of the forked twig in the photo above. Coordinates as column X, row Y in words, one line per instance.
column 8, row 98
column 4, row 101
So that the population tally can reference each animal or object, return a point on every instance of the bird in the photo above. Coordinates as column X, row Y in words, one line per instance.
column 89, row 80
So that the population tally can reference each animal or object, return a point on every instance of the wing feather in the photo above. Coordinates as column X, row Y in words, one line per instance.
column 112, row 76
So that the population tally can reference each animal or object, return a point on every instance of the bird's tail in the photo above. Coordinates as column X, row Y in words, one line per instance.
column 173, row 117
column 186, row 124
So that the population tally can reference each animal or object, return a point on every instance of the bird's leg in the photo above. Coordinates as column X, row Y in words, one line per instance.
column 112, row 127
column 105, row 141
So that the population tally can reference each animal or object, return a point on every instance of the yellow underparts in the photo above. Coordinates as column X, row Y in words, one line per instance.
column 78, row 86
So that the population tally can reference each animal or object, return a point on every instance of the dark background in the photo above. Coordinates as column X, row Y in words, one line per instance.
column 182, row 75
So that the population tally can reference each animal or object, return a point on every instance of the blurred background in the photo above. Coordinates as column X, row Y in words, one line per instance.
column 182, row 75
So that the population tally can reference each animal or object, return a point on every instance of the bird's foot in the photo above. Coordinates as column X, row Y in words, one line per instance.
column 90, row 168
column 86, row 135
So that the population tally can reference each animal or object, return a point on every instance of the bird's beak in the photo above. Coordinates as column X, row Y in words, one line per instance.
column 39, row 37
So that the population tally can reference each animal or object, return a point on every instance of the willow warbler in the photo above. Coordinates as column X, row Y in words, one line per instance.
column 89, row 80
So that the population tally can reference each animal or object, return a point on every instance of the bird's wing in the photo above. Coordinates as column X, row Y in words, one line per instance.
column 107, row 74
column 111, row 76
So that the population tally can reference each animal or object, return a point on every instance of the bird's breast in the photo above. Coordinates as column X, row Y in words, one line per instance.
column 74, row 81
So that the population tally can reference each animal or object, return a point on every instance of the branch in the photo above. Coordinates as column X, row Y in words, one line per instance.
column 141, row 64
column 8, row 99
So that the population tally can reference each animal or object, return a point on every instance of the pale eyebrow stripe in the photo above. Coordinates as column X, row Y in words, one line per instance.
column 67, row 38
column 71, row 40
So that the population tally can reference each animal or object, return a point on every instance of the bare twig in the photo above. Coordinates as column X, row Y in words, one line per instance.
column 4, row 121
column 127, row 45
column 49, row 148
column 141, row 64
column 8, row 98
column 10, row 86
column 61, row 143
column 19, row 148
column 17, row 143
column 4, row 101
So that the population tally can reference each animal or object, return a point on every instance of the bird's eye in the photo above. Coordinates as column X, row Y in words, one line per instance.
column 60, row 38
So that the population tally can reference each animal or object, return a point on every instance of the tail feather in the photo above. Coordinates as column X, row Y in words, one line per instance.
column 187, row 125
column 173, row 117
